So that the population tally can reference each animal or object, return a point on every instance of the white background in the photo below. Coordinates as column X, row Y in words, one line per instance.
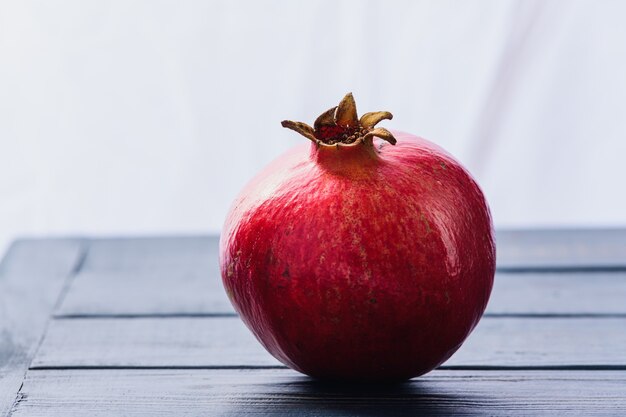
column 145, row 117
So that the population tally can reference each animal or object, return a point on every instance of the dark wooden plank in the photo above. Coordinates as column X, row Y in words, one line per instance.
column 283, row 392
column 178, row 276
column 561, row 249
column 543, row 249
column 220, row 342
column 153, row 276
column 196, row 293
column 573, row 293
column 168, row 292
column 197, row 254
column 32, row 275
column 151, row 342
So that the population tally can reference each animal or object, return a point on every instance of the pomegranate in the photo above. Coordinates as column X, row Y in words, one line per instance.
column 352, row 259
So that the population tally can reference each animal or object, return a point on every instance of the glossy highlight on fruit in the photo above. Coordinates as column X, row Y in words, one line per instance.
column 364, row 255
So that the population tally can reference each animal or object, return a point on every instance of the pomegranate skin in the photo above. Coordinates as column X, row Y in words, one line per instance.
column 370, row 262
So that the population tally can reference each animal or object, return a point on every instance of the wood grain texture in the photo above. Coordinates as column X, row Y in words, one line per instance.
column 564, row 249
column 518, row 250
column 32, row 276
column 513, row 363
column 140, row 293
column 206, row 342
column 283, row 392
column 180, row 276
column 225, row 342
column 572, row 293
column 157, row 292
column 197, row 254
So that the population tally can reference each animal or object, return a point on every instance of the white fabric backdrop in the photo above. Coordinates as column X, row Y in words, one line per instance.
column 134, row 117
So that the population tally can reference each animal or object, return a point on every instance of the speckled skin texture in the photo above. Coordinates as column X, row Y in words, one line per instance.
column 367, row 263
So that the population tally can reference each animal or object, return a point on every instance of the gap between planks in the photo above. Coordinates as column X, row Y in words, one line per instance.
column 269, row 367
column 558, row 269
column 97, row 316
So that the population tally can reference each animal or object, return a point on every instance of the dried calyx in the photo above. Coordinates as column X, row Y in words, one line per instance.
column 341, row 125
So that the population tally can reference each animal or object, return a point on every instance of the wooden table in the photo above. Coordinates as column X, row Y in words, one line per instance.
column 101, row 327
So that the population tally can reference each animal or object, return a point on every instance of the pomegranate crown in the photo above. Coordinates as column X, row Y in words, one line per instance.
column 340, row 125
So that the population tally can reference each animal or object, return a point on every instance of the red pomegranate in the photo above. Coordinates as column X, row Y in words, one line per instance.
column 352, row 259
